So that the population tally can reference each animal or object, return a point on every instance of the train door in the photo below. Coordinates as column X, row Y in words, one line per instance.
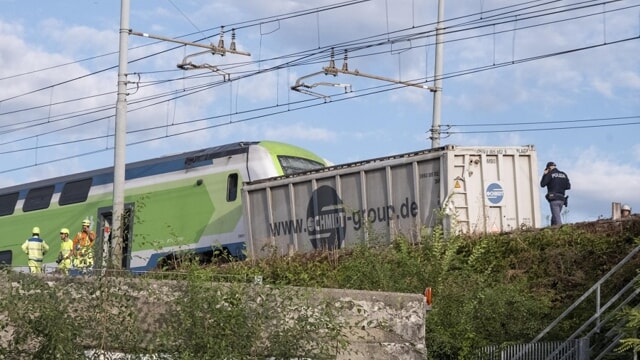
column 103, row 236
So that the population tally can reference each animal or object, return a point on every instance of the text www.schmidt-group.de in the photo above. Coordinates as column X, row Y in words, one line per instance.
column 333, row 217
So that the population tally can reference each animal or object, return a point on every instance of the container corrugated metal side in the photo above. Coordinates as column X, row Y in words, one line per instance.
column 466, row 189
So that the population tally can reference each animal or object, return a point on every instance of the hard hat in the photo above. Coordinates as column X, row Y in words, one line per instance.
column 36, row 230
column 64, row 231
column 626, row 207
column 86, row 222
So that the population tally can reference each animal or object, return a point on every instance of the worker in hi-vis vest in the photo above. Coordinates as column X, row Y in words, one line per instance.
column 35, row 248
column 66, row 251
column 83, row 246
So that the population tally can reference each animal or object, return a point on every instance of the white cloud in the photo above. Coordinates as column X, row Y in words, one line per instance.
column 635, row 151
column 603, row 87
column 299, row 131
column 78, row 40
column 598, row 179
column 629, row 79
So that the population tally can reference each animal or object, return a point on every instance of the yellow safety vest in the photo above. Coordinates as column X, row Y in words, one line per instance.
column 35, row 248
column 66, row 247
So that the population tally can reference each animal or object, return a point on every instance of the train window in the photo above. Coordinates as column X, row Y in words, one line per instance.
column 38, row 198
column 232, row 187
column 8, row 203
column 292, row 164
column 6, row 257
column 75, row 192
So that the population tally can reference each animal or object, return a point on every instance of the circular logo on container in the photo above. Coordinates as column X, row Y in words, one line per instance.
column 495, row 193
column 326, row 221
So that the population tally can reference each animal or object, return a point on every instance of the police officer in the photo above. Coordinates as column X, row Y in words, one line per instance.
column 557, row 182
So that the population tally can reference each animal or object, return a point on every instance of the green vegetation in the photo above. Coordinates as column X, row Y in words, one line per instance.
column 487, row 290
column 178, row 320
column 496, row 289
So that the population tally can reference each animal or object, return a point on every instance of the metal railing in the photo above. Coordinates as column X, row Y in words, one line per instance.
column 577, row 349
column 594, row 289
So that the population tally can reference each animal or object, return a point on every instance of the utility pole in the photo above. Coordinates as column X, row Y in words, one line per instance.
column 117, row 233
column 437, row 86
column 118, row 220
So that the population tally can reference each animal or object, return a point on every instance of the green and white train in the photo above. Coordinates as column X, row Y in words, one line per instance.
column 185, row 202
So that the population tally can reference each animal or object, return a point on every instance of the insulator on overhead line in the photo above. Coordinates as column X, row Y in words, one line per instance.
column 232, row 46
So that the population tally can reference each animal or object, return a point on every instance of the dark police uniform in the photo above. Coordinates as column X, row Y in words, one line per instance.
column 557, row 182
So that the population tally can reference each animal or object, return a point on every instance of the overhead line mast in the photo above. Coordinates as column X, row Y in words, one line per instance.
column 115, row 258
column 117, row 232
column 437, row 77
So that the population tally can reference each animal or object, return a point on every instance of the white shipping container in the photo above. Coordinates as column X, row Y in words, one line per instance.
column 479, row 189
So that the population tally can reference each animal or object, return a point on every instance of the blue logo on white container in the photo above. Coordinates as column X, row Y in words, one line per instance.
column 495, row 193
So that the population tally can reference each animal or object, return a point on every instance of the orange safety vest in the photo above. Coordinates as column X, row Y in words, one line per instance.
column 83, row 239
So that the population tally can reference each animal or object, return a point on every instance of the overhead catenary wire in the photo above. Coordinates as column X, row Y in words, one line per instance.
column 351, row 46
column 457, row 74
column 297, row 63
column 302, row 60
column 314, row 104
column 238, row 25
column 385, row 88
column 554, row 128
column 519, row 123
column 245, row 24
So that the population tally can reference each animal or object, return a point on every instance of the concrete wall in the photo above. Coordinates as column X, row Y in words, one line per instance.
column 390, row 327
column 382, row 325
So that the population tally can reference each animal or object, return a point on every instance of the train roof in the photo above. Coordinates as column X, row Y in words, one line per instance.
column 411, row 154
column 172, row 162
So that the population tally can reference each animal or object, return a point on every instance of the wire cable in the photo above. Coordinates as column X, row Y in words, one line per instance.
column 310, row 58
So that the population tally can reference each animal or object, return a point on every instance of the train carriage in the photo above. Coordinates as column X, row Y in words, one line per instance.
column 185, row 202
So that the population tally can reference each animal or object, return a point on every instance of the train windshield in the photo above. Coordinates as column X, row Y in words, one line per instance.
column 291, row 164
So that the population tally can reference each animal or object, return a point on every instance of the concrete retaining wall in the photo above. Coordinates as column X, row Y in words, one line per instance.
column 382, row 325
column 391, row 325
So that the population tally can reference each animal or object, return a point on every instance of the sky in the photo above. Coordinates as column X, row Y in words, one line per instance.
column 563, row 76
